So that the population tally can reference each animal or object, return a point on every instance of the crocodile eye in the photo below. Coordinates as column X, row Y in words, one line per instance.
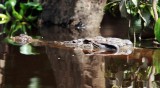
column 74, row 41
column 80, row 26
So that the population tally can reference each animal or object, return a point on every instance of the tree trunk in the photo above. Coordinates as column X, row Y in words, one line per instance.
column 68, row 20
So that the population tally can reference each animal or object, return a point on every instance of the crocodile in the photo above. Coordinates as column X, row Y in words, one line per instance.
column 90, row 46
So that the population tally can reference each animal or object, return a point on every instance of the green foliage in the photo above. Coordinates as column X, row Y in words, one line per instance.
column 142, row 10
column 112, row 7
column 19, row 17
column 4, row 18
column 157, row 24
column 132, row 8
column 157, row 30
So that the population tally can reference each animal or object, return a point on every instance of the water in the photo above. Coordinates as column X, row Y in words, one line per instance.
column 138, row 70
column 142, row 66
column 35, row 71
column 28, row 71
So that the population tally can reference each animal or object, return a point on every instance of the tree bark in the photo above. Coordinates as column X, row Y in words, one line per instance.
column 68, row 20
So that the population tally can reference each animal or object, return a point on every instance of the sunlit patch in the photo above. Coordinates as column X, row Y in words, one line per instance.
column 34, row 83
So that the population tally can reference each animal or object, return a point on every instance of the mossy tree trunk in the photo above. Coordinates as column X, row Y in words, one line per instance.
column 68, row 20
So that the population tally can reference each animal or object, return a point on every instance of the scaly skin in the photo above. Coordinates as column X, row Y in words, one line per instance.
column 90, row 46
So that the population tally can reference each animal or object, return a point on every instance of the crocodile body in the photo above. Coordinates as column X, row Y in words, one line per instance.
column 102, row 46
column 90, row 46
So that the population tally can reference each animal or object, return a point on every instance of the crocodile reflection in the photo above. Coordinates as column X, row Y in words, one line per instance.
column 90, row 46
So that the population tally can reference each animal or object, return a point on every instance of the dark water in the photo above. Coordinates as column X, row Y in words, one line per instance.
column 138, row 70
column 133, row 71
column 28, row 71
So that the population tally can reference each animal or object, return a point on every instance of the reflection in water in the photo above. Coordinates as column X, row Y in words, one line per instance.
column 2, row 64
column 138, row 70
column 34, row 83
column 28, row 71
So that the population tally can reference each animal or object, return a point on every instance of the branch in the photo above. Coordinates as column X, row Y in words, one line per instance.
column 154, row 5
